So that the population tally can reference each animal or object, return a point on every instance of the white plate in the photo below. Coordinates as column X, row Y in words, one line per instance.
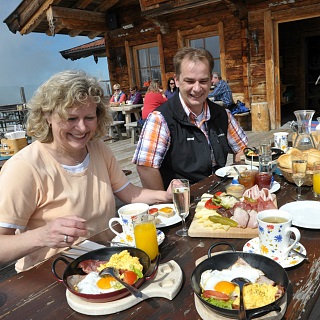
column 163, row 221
column 87, row 246
column 229, row 169
column 275, row 187
column 305, row 214
column 252, row 246
column 160, row 237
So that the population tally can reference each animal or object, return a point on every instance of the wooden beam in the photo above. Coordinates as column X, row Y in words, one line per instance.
column 129, row 62
column 106, row 5
column 238, row 9
column 32, row 17
column 270, row 73
column 161, row 58
column 76, row 20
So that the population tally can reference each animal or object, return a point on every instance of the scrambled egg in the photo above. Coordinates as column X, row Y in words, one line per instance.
column 256, row 295
column 122, row 260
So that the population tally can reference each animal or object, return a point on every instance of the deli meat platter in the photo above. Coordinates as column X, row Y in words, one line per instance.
column 203, row 224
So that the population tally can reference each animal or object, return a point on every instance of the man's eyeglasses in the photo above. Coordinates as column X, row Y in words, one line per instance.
column 215, row 77
column 116, row 89
column 131, row 89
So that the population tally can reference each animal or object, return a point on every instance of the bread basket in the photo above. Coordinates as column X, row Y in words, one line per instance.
column 287, row 173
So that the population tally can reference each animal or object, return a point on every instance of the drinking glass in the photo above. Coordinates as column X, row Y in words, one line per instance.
column 181, row 201
column 316, row 179
column 145, row 235
column 299, row 169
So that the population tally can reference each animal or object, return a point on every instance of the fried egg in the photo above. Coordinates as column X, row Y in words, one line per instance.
column 94, row 284
column 220, row 280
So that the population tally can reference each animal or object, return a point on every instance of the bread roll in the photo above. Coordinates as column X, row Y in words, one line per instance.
column 284, row 161
column 313, row 156
column 295, row 152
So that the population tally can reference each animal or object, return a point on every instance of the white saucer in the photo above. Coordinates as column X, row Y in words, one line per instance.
column 252, row 246
column 160, row 237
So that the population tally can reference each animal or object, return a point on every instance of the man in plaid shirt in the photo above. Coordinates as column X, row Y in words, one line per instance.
column 188, row 136
column 221, row 93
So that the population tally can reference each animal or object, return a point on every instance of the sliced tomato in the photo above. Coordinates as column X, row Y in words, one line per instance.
column 215, row 295
column 153, row 210
column 210, row 205
column 218, row 193
column 130, row 277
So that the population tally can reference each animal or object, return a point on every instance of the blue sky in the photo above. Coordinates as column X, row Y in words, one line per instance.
column 27, row 61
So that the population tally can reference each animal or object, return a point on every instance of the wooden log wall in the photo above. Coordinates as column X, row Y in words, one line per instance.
column 250, row 68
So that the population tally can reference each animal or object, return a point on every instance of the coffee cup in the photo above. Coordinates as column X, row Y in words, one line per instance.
column 127, row 215
column 274, row 234
column 281, row 140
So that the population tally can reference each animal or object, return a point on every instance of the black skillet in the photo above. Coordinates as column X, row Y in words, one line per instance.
column 225, row 259
column 72, row 274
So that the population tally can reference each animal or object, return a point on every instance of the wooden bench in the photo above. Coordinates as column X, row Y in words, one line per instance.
column 134, row 131
column 117, row 126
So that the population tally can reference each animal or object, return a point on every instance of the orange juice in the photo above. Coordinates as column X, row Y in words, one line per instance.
column 316, row 182
column 145, row 235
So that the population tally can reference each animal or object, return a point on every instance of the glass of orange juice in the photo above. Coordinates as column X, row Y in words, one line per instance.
column 145, row 234
column 316, row 179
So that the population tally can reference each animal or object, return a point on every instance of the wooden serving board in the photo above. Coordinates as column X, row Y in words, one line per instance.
column 166, row 284
column 198, row 230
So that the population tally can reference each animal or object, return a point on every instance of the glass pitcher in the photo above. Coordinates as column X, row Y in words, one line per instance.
column 304, row 139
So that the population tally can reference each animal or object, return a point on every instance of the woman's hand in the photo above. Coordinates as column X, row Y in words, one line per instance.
column 62, row 232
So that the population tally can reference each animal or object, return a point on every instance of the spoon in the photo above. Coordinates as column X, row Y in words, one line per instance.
column 241, row 282
column 114, row 273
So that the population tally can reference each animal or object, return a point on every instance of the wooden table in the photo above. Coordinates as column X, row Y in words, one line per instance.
column 35, row 294
column 127, row 110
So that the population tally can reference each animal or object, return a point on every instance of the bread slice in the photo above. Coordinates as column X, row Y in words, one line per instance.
column 166, row 212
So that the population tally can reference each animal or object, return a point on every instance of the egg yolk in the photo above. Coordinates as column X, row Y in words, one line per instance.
column 225, row 287
column 105, row 282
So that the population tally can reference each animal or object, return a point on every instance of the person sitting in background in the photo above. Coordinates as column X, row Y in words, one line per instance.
column 153, row 99
column 221, row 93
column 67, row 177
column 188, row 136
column 171, row 88
column 135, row 97
column 118, row 98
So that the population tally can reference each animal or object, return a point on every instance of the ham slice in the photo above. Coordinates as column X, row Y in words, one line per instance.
column 241, row 216
column 90, row 265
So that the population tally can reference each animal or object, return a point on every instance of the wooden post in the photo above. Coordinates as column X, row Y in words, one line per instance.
column 260, row 117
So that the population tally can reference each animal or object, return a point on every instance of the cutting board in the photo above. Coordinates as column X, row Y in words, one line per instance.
column 166, row 284
column 208, row 314
column 198, row 230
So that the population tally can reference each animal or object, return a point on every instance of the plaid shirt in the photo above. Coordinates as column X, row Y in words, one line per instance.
column 222, row 92
column 155, row 139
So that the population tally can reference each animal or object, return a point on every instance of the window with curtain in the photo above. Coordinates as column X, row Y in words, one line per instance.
column 212, row 44
column 147, row 63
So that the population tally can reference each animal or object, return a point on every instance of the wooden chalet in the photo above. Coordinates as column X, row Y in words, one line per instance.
column 268, row 51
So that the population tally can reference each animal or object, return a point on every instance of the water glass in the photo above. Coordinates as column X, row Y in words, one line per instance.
column 181, row 201
column 265, row 156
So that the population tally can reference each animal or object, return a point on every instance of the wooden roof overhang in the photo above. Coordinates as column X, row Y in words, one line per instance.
column 93, row 18
column 95, row 48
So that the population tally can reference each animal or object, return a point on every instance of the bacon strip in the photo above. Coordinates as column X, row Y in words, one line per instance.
column 90, row 265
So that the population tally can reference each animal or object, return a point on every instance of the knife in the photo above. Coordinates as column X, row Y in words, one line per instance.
column 218, row 183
